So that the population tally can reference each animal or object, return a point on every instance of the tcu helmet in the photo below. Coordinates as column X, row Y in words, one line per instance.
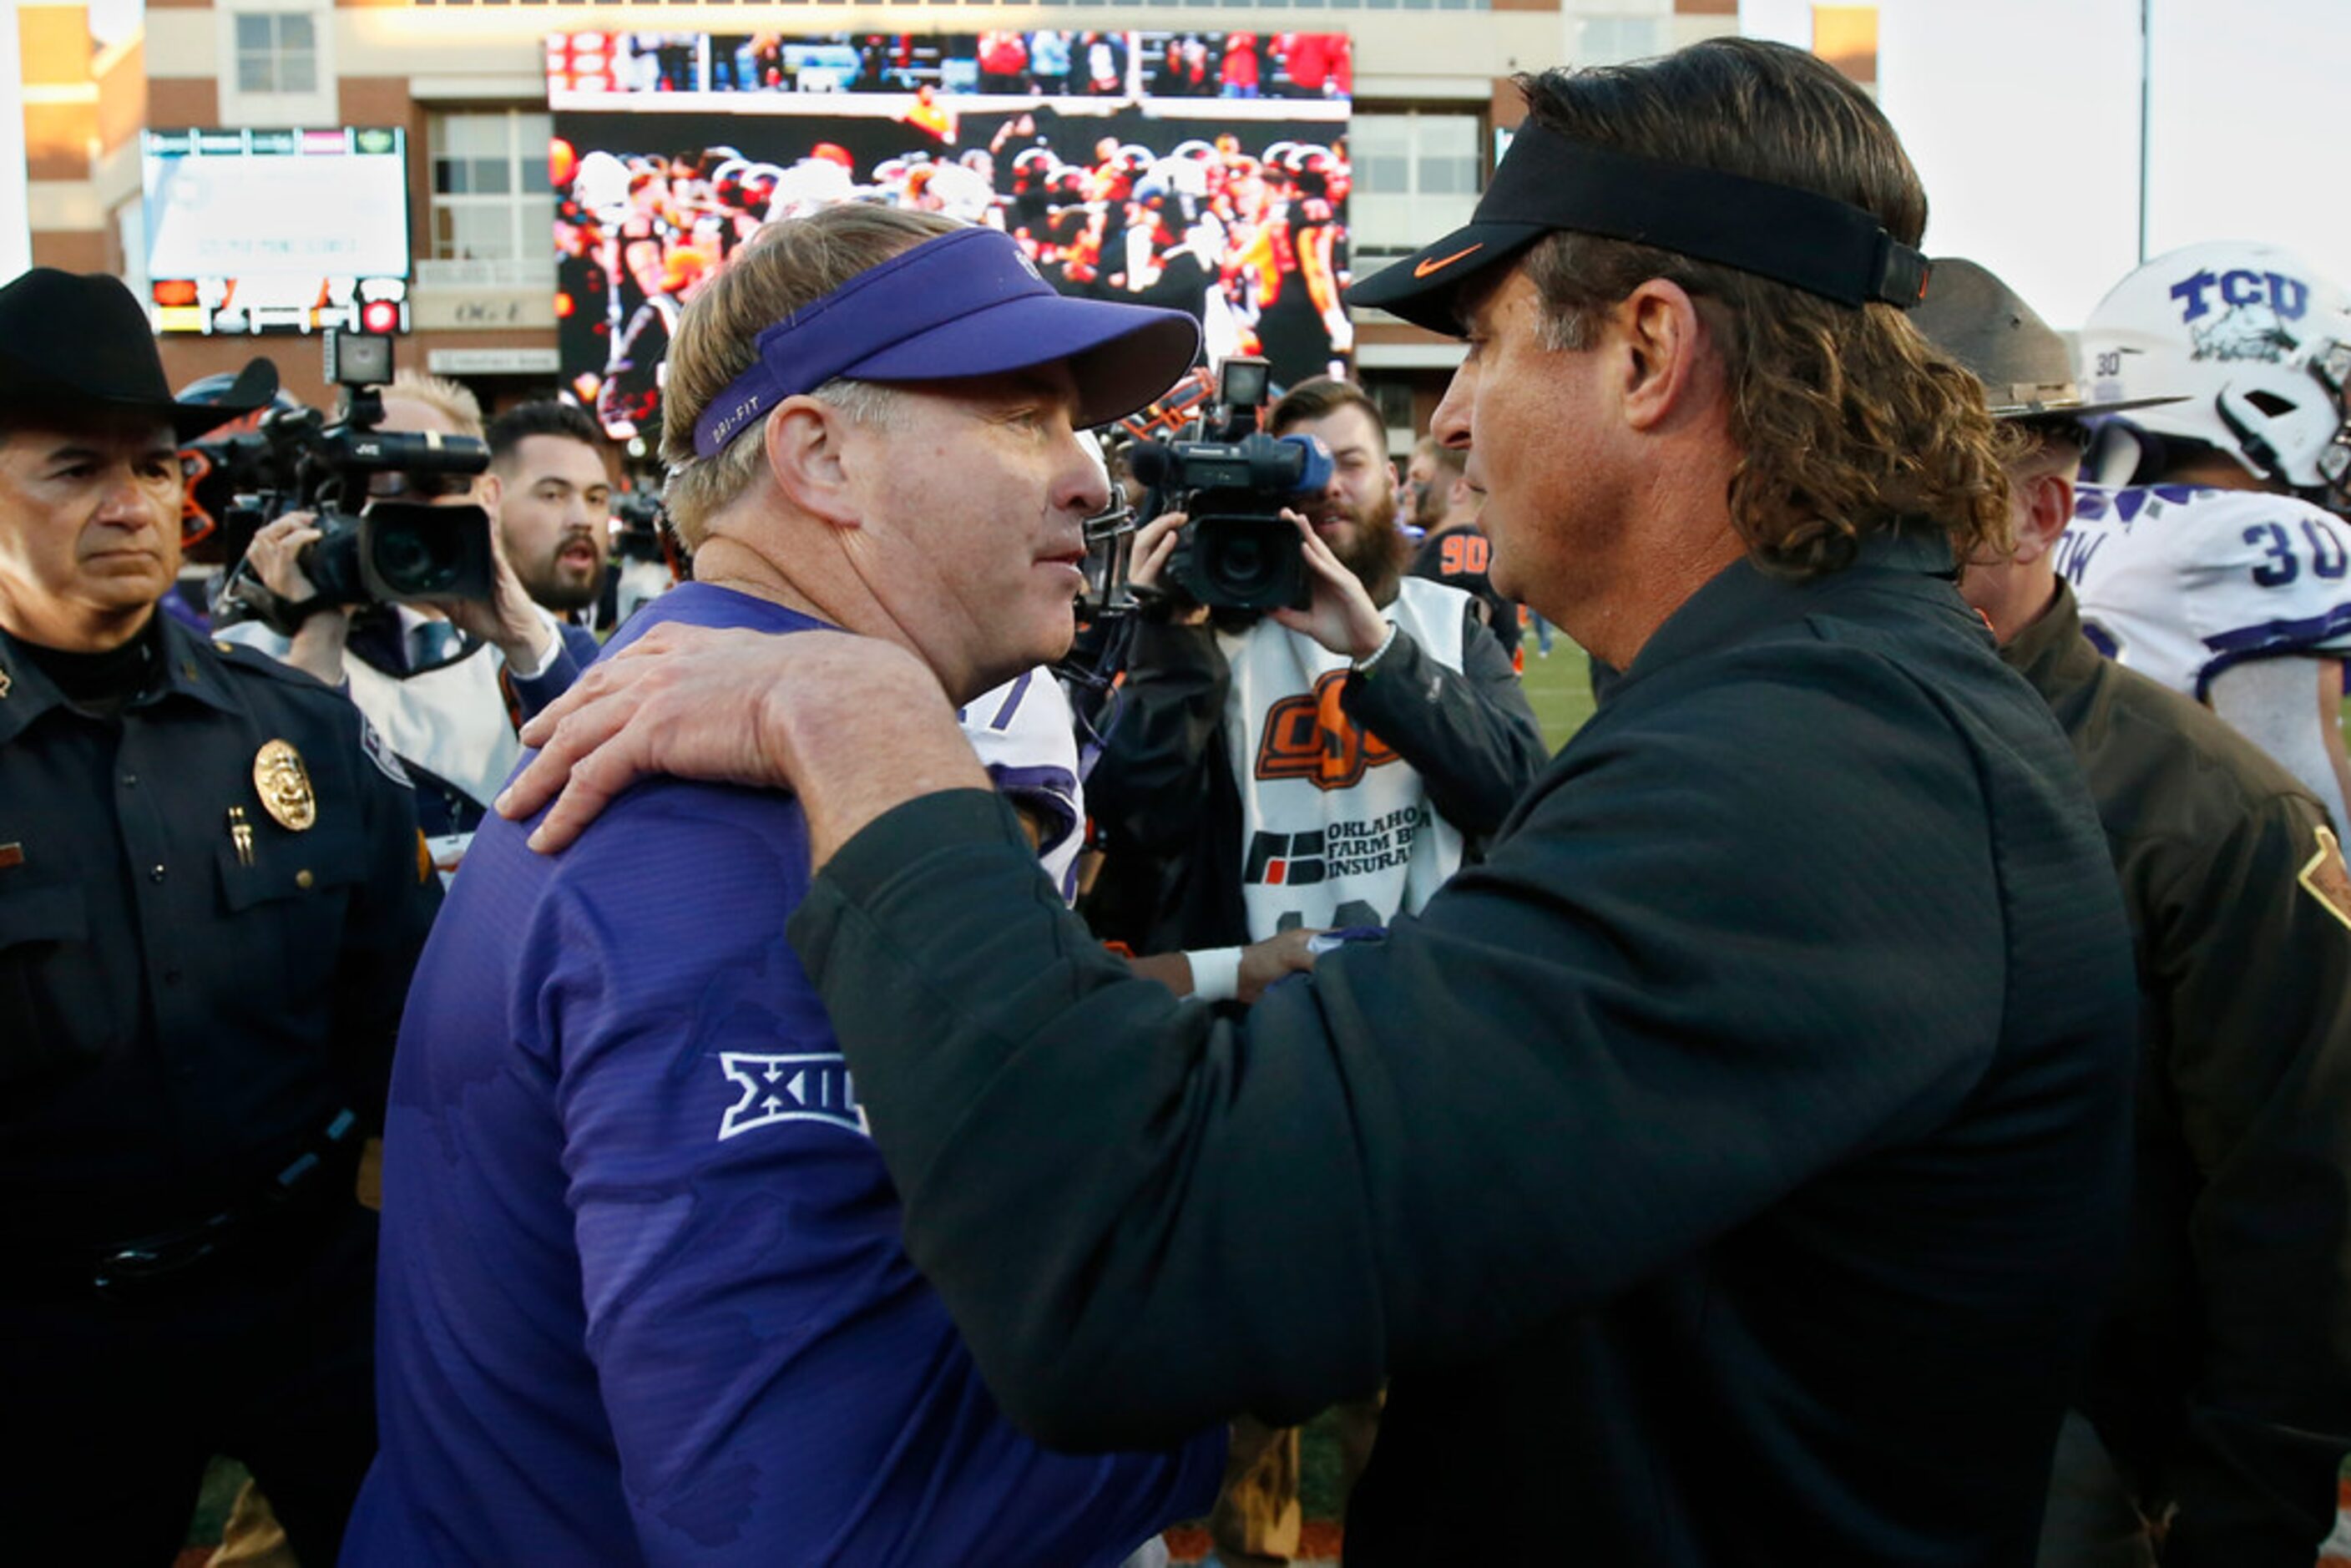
column 2256, row 341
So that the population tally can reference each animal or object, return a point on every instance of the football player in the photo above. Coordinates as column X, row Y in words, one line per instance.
column 2207, row 552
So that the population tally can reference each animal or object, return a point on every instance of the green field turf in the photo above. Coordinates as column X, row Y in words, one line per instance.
column 1560, row 687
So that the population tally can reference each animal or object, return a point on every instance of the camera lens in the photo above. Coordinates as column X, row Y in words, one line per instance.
column 1242, row 560
column 416, row 561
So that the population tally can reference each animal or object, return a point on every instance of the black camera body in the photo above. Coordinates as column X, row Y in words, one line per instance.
column 1237, row 550
column 367, row 487
column 642, row 522
column 381, row 548
column 399, row 551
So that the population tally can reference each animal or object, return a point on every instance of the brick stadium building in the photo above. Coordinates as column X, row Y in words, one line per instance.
column 466, row 78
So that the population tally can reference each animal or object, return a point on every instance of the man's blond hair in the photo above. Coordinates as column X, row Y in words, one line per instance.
column 786, row 265
column 453, row 401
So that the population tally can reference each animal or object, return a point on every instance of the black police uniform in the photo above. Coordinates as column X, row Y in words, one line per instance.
column 211, row 898
column 1727, row 1170
column 2222, row 1382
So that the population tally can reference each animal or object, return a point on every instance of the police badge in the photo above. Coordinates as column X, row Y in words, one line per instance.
column 284, row 786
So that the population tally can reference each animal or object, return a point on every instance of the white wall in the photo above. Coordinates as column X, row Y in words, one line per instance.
column 114, row 20
column 1779, row 21
column 16, row 233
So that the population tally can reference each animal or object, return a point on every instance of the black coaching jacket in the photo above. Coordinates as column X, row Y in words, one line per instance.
column 1728, row 1171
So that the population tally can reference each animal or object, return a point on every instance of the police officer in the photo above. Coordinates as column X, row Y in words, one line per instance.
column 2221, row 1395
column 210, row 902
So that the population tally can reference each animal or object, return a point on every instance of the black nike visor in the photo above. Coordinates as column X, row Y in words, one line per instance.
column 1548, row 182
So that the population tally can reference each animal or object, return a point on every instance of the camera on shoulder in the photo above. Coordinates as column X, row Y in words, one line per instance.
column 1237, row 551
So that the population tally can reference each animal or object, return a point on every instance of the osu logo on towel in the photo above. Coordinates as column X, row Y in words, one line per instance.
column 788, row 1089
column 1308, row 738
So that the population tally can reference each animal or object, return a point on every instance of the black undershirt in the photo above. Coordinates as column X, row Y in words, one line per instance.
column 103, row 684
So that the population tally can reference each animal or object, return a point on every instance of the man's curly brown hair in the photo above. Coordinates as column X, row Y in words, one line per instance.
column 1847, row 419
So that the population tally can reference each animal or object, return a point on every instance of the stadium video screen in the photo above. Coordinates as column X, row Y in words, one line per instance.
column 276, row 230
column 1202, row 172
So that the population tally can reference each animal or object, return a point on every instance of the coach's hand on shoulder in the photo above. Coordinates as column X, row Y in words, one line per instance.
column 853, row 724
column 1343, row 617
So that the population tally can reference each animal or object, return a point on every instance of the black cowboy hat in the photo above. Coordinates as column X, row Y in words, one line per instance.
column 79, row 343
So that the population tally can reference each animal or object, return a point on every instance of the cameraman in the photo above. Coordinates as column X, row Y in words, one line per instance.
column 1322, row 767
column 1389, row 695
column 446, row 684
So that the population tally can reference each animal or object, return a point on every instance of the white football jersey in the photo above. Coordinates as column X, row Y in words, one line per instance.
column 2181, row 582
column 1026, row 739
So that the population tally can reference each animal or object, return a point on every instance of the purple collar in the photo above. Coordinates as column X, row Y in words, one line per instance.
column 963, row 304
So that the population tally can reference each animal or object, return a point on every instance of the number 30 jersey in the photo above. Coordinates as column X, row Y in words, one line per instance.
column 2179, row 582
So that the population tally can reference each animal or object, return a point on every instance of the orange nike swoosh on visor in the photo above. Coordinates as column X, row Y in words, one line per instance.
column 1442, row 262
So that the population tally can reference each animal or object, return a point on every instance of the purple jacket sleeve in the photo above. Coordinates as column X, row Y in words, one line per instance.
column 576, row 650
column 783, row 1386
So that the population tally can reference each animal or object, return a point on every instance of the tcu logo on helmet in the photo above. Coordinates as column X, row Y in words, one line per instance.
column 1308, row 736
column 2254, row 308
column 2289, row 296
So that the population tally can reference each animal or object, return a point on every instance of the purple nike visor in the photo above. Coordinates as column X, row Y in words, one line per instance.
column 965, row 304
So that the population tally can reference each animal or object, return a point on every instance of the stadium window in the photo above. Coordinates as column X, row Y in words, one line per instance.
column 491, row 199
column 277, row 52
column 1417, row 173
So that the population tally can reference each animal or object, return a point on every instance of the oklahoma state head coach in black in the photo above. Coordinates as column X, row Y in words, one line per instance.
column 1725, row 1171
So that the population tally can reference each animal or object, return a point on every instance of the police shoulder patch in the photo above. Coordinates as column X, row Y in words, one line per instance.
column 372, row 741
column 2325, row 878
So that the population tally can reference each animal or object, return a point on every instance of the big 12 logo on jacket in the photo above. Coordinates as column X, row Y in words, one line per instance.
column 1309, row 737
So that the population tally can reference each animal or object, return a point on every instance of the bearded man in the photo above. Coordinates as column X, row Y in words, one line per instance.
column 554, row 504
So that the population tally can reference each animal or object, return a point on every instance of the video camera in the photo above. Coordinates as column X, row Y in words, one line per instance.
column 371, row 490
column 1232, row 480
column 643, row 525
